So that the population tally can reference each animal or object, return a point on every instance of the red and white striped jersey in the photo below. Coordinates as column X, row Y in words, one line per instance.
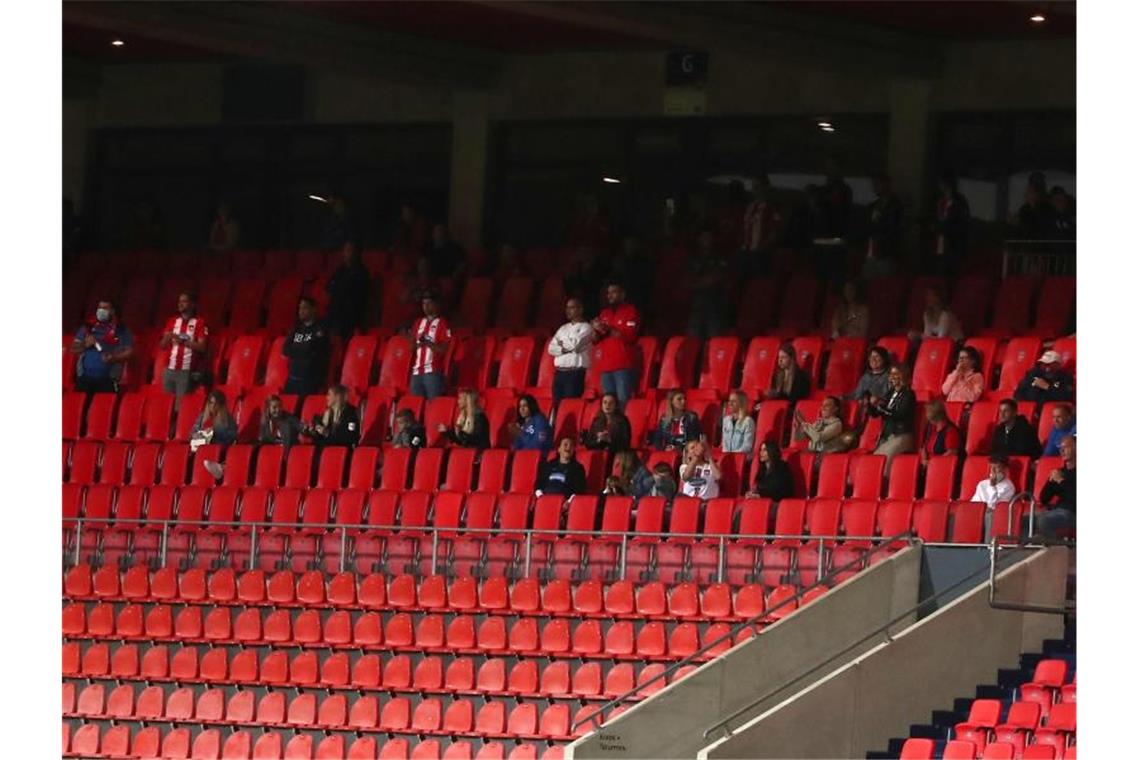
column 436, row 330
column 181, row 355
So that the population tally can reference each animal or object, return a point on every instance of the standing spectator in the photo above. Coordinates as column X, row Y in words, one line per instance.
column 411, row 231
column 1064, row 425
column 940, row 436
column 442, row 259
column 104, row 346
column 1048, row 381
column 852, row 315
column 348, row 293
column 307, row 348
column 409, row 433
column 1013, row 436
column 937, row 320
column 564, row 475
column 699, row 474
column 994, row 489
column 430, row 335
column 224, row 231
column 278, row 427
column 1059, row 494
column 471, row 429
column 338, row 225
column 835, row 200
column 1064, row 214
column 763, row 230
column 186, row 336
column 897, row 413
column 677, row 425
column 965, row 382
column 1036, row 219
column 707, row 279
column 824, row 434
column 738, row 429
column 610, row 429
column 884, row 230
column 339, row 423
column 214, row 424
column 530, row 431
column 617, row 325
column 874, row 383
column 630, row 476
column 570, row 347
column 773, row 476
column 789, row 382
column 951, row 227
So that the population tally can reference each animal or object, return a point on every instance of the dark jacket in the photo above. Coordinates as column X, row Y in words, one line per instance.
column 775, row 481
column 619, row 433
column 1060, row 386
column 801, row 387
column 1061, row 495
column 884, row 227
column 281, row 431
column 223, row 434
column 952, row 222
column 307, row 347
column 346, row 432
column 563, row 479
column 1018, row 441
column 348, row 294
column 412, row 437
column 897, row 411
column 665, row 435
column 478, row 438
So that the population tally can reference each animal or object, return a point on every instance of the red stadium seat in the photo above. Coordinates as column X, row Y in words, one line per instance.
column 844, row 365
column 931, row 365
column 1021, row 355
column 759, row 364
column 721, row 356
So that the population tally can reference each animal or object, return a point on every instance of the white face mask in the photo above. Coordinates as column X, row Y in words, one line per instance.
column 103, row 315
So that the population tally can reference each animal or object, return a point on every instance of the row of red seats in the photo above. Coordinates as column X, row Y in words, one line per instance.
column 926, row 749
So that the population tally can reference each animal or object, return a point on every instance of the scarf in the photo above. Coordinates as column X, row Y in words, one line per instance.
column 109, row 339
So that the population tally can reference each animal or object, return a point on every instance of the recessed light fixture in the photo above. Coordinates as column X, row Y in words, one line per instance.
column 828, row 128
column 823, row 124
column 318, row 198
column 1037, row 18
column 117, row 43
column 611, row 180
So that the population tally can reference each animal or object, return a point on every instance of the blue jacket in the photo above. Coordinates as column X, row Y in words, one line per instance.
column 1053, row 442
column 535, row 434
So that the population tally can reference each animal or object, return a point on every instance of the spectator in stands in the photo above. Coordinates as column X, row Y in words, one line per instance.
column 1064, row 214
column 707, row 278
column 677, row 425
column 824, row 434
column 1013, row 435
column 214, row 424
column 338, row 225
column 835, row 201
column 564, row 475
column 409, row 433
column 1064, row 425
column 430, row 336
column 773, row 476
column 571, row 347
column 699, row 474
column 630, row 476
column 442, row 259
column 738, row 429
column 1059, row 494
column 965, row 382
column 951, row 227
column 874, row 383
column 224, row 231
column 509, row 263
column 763, row 230
column 617, row 327
column 583, row 276
column 940, row 436
column 339, row 423
column 186, row 336
column 307, row 348
column 789, row 381
column 412, row 231
column 1048, row 381
column 610, row 429
column 104, row 347
column 471, row 429
column 663, row 483
column 630, row 266
column 347, row 289
column 937, row 320
column 994, row 489
column 530, row 431
column 897, row 413
column 884, row 230
column 1035, row 220
column 852, row 315
column 277, row 425
column 592, row 228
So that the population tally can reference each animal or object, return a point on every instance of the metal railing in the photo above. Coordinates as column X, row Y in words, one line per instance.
column 1039, row 257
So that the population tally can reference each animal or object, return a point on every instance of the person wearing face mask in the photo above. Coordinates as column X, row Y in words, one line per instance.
column 825, row 434
column 564, row 475
column 307, row 348
column 610, row 428
column 104, row 346
column 339, row 424
column 186, row 336
column 677, row 426
column 278, row 427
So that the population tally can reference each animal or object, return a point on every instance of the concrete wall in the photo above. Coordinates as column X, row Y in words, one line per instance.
column 877, row 696
column 788, row 654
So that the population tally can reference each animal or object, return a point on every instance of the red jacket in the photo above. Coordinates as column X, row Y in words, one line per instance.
column 618, row 347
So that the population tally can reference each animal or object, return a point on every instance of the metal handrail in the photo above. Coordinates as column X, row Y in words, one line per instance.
column 1032, row 508
column 732, row 632
column 1031, row 542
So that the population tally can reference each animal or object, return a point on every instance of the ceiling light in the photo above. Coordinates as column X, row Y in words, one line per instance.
column 318, row 198
column 828, row 129
column 1037, row 18
column 117, row 43
column 823, row 124
column 611, row 180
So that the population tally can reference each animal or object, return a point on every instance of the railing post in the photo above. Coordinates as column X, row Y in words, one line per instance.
column 162, row 549
column 819, row 563
column 526, row 559
column 343, row 546
column 253, row 547
column 434, row 549
column 621, row 564
column 78, row 539
column 720, row 562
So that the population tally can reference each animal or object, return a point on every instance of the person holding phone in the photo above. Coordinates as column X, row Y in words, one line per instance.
column 430, row 336
column 700, row 475
column 186, row 336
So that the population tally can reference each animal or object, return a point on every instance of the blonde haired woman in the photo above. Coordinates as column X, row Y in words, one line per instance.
column 471, row 429
column 738, row 429
column 339, row 423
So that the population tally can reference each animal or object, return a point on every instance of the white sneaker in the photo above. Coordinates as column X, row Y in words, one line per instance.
column 214, row 468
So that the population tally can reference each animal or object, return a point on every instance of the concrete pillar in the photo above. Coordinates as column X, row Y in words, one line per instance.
column 470, row 131
column 908, row 149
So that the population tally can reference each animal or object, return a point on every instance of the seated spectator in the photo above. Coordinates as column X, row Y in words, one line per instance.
column 699, row 474
column 677, row 426
column 347, row 289
column 1048, row 381
column 852, row 315
column 965, row 382
column 663, row 483
column 630, row 476
column 1013, row 435
column 773, row 476
column 825, row 434
column 937, row 320
column 571, row 347
column 789, row 381
column 338, row 424
column 307, row 348
column 609, row 429
column 940, row 436
column 897, row 413
column 1059, row 495
column 104, row 346
column 530, row 431
column 1064, row 425
column 874, row 383
column 995, row 489
column 471, row 429
column 430, row 336
column 564, row 475
column 738, row 429
column 409, row 433
column 277, row 425
column 185, row 335
column 214, row 423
